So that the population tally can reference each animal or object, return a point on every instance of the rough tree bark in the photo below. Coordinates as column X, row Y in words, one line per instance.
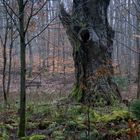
column 92, row 38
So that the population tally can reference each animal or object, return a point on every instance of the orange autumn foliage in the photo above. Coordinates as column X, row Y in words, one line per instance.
column 134, row 130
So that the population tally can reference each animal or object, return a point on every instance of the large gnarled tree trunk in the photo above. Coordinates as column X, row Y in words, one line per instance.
column 91, row 37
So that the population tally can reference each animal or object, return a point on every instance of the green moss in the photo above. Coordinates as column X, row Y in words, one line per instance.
column 37, row 137
column 77, row 45
column 80, row 120
column 77, row 93
column 115, row 115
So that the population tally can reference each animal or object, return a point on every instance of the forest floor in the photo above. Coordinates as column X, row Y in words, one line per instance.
column 48, row 120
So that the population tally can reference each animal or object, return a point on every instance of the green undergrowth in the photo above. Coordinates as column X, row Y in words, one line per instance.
column 98, row 99
column 61, row 122
column 35, row 137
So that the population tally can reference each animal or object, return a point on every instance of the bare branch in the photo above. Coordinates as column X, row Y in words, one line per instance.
column 30, row 17
column 33, row 14
column 11, row 16
column 25, row 2
column 40, row 8
column 7, row 5
column 41, row 31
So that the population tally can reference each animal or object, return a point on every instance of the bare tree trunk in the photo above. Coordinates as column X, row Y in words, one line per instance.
column 5, row 62
column 10, row 59
column 30, row 58
column 129, row 30
column 48, row 37
column 91, row 38
column 138, row 48
column 48, row 50
column 22, row 70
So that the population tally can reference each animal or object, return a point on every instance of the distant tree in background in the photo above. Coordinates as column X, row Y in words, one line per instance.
column 137, row 6
column 7, row 38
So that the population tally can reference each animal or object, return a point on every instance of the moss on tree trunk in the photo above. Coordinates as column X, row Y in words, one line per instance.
column 91, row 38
